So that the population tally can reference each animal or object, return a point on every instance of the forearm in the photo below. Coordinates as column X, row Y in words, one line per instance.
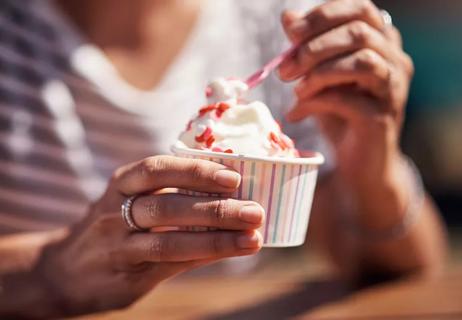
column 23, row 293
column 399, row 195
column 422, row 247
column 379, row 207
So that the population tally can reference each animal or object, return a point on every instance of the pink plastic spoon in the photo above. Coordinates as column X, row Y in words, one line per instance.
column 256, row 78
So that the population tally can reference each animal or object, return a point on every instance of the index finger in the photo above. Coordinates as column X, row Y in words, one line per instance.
column 160, row 172
column 329, row 15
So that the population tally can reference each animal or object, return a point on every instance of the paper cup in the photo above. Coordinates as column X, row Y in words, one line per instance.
column 283, row 186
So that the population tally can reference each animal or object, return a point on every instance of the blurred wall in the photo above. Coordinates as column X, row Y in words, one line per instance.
column 432, row 136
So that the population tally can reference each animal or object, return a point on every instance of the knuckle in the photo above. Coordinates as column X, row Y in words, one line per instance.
column 367, row 7
column 367, row 60
column 147, row 166
column 154, row 164
column 359, row 32
column 310, row 48
column 157, row 249
column 107, row 225
column 117, row 174
column 163, row 247
column 408, row 64
column 318, row 17
column 219, row 211
column 155, row 207
column 196, row 169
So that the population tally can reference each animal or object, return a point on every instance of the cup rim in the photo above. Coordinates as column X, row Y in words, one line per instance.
column 316, row 159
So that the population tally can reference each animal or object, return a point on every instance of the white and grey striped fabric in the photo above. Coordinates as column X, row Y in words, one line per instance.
column 67, row 119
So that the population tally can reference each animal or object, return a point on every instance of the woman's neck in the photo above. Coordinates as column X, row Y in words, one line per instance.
column 140, row 37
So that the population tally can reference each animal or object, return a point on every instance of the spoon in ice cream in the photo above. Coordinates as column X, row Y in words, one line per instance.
column 256, row 78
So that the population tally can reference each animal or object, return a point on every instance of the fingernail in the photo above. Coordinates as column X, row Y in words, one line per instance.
column 251, row 213
column 249, row 241
column 228, row 178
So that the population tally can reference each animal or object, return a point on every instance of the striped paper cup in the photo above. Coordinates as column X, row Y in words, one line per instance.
column 283, row 186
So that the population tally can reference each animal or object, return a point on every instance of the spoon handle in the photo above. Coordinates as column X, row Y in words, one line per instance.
column 256, row 78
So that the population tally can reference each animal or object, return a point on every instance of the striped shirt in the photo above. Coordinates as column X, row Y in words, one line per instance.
column 67, row 119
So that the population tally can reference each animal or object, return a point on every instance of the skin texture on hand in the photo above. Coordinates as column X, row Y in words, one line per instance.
column 354, row 78
column 101, row 265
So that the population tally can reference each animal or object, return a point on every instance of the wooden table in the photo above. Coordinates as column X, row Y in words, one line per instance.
column 283, row 292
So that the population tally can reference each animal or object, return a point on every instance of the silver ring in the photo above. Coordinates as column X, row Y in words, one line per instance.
column 126, row 211
column 386, row 16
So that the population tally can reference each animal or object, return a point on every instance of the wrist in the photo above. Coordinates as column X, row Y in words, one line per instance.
column 23, row 291
column 50, row 273
column 61, row 281
column 383, row 201
column 24, row 295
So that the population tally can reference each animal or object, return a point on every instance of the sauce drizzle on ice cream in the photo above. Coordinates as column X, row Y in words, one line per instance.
column 230, row 124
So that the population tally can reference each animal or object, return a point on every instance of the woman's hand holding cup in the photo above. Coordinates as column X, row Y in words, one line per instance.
column 103, row 265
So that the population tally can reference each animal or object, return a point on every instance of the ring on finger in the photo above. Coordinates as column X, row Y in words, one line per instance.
column 126, row 211
column 387, row 19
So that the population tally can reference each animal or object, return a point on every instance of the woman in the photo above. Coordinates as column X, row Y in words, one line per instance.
column 89, row 86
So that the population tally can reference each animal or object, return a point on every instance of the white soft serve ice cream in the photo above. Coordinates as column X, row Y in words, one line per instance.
column 232, row 125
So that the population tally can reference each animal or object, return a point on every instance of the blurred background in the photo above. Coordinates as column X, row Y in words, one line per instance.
column 432, row 133
column 432, row 136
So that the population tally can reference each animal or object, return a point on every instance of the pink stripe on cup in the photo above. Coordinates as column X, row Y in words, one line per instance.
column 277, row 186
column 286, row 202
column 270, row 202
column 241, row 172
column 292, row 218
